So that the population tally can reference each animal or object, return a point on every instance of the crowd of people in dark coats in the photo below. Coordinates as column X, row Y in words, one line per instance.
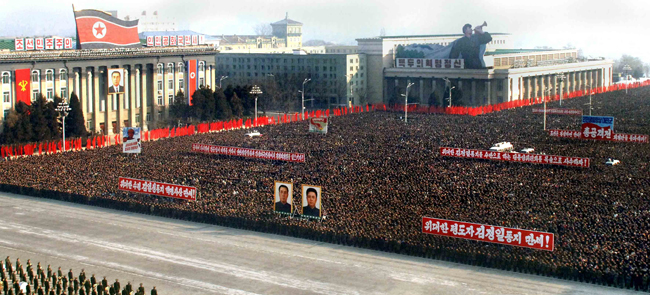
column 380, row 176
column 19, row 279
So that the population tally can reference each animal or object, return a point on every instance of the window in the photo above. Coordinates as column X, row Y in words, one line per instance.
column 89, row 125
column 50, row 94
column 49, row 75
column 351, row 61
column 160, row 69
column 35, row 77
column 351, row 68
column 160, row 100
column 148, row 117
column 201, row 66
column 181, row 67
column 202, row 80
column 6, row 79
column 137, row 118
column 64, row 93
column 6, row 97
column 170, row 84
column 160, row 115
column 180, row 84
column 102, row 105
column 170, row 68
column 63, row 75
column 171, row 99
column 160, row 85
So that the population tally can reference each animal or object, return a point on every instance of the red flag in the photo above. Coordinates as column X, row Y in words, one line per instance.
column 97, row 29
column 191, row 81
column 60, row 146
column 23, row 84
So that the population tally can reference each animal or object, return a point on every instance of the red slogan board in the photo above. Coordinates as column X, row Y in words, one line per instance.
column 640, row 138
column 158, row 188
column 515, row 157
column 575, row 112
column 249, row 153
column 488, row 233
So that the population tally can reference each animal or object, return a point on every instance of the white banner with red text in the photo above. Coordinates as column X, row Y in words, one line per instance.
column 157, row 188
column 488, row 233
column 248, row 153
column 608, row 136
column 515, row 157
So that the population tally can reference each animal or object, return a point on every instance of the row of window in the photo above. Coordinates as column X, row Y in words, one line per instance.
column 181, row 67
column 36, row 77
column 221, row 60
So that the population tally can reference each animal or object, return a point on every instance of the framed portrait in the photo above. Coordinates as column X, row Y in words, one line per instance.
column 115, row 81
column 311, row 201
column 283, row 197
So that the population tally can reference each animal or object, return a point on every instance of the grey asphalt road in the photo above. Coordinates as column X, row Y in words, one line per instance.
column 181, row 257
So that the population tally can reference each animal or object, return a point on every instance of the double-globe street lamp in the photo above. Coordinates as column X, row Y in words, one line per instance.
column 256, row 91
column 64, row 109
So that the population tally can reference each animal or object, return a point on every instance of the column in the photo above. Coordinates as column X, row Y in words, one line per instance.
column 76, row 87
column 132, row 97
column 384, row 96
column 95, row 102
column 421, row 91
column 548, row 85
column 83, row 96
column 473, row 92
column 143, row 98
column 212, row 76
column 573, row 81
column 488, row 92
column 594, row 83
column 506, row 90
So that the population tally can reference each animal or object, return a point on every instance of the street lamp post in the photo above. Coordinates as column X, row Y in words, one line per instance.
column 221, row 79
column 626, row 68
column 64, row 109
column 303, row 97
column 561, row 77
column 406, row 102
column 448, row 82
column 547, row 91
column 590, row 92
column 256, row 91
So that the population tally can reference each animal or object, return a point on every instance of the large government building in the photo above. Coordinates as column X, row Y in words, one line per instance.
column 511, row 74
column 153, row 76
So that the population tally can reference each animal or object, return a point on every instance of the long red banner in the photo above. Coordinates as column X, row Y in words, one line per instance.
column 618, row 137
column 515, row 157
column 557, row 111
column 488, row 233
column 249, row 153
column 158, row 188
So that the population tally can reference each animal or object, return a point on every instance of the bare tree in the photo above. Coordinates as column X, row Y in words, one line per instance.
column 263, row 29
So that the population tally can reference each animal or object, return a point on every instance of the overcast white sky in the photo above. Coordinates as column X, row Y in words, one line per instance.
column 601, row 28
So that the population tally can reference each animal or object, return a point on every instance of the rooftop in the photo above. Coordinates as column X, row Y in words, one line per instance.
column 425, row 36
column 287, row 21
column 90, row 54
column 511, row 51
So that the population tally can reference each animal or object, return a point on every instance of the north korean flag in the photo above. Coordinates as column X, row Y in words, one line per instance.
column 191, row 74
column 98, row 29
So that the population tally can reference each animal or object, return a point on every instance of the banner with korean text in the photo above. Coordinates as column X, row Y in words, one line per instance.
column 157, row 188
column 597, row 127
column 488, row 233
column 556, row 111
column 318, row 125
column 248, row 153
column 515, row 157
column 617, row 137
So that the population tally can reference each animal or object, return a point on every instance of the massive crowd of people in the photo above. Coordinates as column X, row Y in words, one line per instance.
column 29, row 279
column 380, row 176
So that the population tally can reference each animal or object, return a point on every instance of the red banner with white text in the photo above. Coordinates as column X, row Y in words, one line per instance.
column 249, row 153
column 488, row 233
column 617, row 137
column 515, row 157
column 157, row 188
column 557, row 111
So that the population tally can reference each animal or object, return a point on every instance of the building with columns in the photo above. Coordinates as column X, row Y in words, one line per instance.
column 152, row 78
column 510, row 74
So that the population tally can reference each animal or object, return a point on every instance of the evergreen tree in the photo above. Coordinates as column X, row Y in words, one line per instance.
column 203, row 104
column 236, row 106
column 180, row 109
column 222, row 109
column 75, row 123
column 51, row 115
column 8, row 128
column 23, row 128
column 40, row 127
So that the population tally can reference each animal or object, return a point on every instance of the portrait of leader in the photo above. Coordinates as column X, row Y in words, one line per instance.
column 311, row 201
column 116, row 81
column 283, row 197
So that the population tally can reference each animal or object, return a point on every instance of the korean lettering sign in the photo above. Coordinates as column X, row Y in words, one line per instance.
column 488, row 233
column 597, row 127
column 157, row 188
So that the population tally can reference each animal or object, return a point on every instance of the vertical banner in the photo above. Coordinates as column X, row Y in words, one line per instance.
column 38, row 44
column 23, row 91
column 157, row 40
column 172, row 40
column 58, row 43
column 131, row 140
column 49, row 43
column 188, row 40
column 150, row 41
column 67, row 43
column 201, row 39
column 29, row 43
column 181, row 41
column 191, row 81
column 165, row 40
column 195, row 40
column 19, row 44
